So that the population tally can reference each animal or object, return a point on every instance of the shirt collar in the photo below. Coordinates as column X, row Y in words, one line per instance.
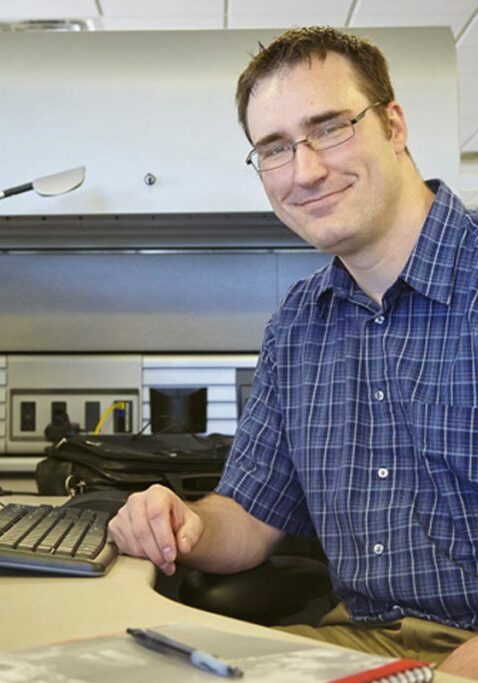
column 337, row 279
column 429, row 269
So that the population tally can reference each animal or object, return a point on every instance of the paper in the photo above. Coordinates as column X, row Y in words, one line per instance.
column 120, row 659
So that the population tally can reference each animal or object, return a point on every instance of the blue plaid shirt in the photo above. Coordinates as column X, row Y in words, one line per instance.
column 362, row 427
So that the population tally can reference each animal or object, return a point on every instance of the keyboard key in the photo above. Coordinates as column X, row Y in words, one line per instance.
column 55, row 540
column 22, row 526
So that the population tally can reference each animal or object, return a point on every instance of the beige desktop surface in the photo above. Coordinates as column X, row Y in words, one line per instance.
column 37, row 610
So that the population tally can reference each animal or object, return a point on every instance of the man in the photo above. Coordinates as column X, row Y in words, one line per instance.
column 362, row 426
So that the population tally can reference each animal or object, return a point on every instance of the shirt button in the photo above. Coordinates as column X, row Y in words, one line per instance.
column 379, row 395
column 380, row 319
column 378, row 548
column 382, row 473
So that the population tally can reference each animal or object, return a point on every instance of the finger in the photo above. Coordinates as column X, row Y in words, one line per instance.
column 188, row 533
column 159, row 504
column 146, row 512
column 168, row 569
column 120, row 530
column 130, row 530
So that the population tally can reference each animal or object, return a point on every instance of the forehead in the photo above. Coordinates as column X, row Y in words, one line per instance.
column 291, row 94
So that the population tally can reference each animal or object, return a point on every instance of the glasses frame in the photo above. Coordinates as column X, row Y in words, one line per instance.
column 293, row 145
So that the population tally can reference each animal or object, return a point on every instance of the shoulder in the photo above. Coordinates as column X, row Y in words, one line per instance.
column 467, row 227
column 449, row 209
column 450, row 233
column 470, row 218
column 298, row 306
column 303, row 294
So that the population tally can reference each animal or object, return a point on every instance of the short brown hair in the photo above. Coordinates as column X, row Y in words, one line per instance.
column 301, row 44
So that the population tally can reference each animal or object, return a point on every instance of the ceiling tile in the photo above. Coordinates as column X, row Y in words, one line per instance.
column 282, row 13
column 47, row 9
column 413, row 13
column 153, row 8
column 417, row 6
column 159, row 23
column 469, row 37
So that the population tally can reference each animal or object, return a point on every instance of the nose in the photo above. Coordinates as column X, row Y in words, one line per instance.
column 309, row 166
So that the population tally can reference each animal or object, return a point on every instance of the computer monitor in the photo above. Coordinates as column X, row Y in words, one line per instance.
column 178, row 409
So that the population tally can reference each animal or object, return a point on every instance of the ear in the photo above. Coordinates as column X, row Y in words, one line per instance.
column 398, row 129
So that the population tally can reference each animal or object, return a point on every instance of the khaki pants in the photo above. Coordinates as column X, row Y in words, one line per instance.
column 408, row 637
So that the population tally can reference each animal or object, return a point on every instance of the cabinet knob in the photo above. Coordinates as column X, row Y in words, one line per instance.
column 150, row 179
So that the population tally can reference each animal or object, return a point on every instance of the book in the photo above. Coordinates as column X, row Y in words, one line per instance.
column 263, row 660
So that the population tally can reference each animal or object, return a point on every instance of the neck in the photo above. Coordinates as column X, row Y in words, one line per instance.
column 376, row 267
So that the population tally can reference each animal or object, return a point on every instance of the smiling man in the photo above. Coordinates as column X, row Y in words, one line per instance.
column 362, row 425
column 349, row 186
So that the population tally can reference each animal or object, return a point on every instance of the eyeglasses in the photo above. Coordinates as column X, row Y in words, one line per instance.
column 325, row 136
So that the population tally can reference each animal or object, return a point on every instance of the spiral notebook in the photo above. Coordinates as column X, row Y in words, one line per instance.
column 321, row 665
column 413, row 670
column 263, row 660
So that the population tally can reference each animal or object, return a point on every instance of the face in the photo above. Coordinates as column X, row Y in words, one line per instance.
column 340, row 199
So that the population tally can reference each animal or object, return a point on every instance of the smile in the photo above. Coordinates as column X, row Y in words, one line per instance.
column 323, row 198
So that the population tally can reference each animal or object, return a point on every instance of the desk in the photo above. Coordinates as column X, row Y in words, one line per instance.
column 42, row 609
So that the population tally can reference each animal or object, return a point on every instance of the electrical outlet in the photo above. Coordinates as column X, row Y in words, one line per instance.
column 28, row 416
column 108, row 412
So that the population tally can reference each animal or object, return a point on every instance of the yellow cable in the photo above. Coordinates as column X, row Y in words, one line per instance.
column 116, row 404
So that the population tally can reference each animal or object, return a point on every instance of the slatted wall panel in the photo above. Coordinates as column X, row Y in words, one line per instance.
column 215, row 372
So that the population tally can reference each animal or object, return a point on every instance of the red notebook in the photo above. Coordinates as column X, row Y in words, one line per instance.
column 414, row 670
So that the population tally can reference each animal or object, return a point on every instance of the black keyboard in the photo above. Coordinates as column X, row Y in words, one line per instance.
column 58, row 540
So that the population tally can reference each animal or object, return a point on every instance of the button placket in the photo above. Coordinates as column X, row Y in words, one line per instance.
column 379, row 391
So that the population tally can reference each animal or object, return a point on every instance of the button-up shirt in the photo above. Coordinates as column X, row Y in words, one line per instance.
column 362, row 427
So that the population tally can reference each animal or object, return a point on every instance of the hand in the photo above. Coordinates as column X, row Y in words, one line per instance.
column 158, row 525
column 463, row 661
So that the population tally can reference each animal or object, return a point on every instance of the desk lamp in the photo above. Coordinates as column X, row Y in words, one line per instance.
column 50, row 185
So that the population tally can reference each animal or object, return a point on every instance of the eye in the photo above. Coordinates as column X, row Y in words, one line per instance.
column 330, row 130
column 274, row 150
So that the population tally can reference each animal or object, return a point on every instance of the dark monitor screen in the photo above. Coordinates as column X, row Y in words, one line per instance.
column 178, row 408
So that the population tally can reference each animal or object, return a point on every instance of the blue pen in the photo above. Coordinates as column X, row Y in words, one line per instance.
column 201, row 660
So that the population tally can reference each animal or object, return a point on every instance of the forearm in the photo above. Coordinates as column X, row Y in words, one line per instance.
column 232, row 540
column 215, row 534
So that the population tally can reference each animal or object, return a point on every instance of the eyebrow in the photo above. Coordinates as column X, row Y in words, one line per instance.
column 307, row 122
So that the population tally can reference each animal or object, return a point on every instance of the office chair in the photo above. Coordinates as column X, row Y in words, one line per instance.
column 293, row 586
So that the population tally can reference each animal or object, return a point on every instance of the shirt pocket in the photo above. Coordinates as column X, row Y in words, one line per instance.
column 447, row 437
column 446, row 454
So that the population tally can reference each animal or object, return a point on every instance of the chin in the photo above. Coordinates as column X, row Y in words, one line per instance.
column 324, row 236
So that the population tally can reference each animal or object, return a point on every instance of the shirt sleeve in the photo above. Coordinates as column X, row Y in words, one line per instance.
column 259, row 473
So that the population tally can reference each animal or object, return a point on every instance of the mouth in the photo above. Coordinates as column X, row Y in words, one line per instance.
column 323, row 199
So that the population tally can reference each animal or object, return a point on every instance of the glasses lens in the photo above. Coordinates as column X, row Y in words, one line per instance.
column 273, row 156
column 331, row 135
